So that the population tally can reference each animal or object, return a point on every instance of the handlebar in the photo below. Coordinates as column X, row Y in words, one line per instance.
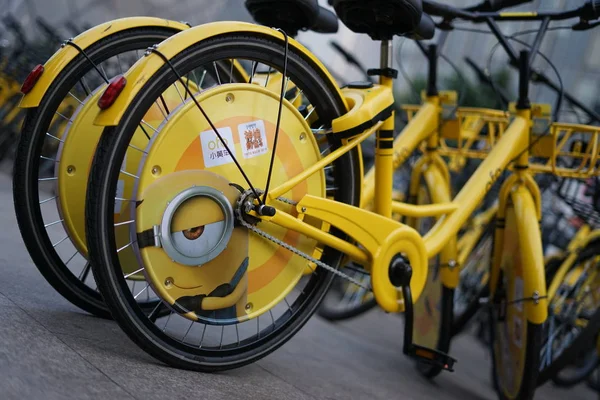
column 590, row 10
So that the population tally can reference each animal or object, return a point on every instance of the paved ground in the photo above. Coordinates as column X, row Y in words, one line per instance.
column 51, row 350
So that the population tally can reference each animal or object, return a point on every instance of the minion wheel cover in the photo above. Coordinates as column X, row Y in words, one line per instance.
column 180, row 247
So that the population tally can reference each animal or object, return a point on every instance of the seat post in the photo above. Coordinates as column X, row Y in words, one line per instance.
column 384, row 151
column 386, row 56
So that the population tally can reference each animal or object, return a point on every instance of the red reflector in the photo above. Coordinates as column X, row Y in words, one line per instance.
column 112, row 91
column 32, row 78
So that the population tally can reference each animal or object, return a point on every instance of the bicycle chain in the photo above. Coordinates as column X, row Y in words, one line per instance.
column 287, row 246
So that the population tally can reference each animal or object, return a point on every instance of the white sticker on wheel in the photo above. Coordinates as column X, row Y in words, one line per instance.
column 253, row 138
column 518, row 293
column 213, row 150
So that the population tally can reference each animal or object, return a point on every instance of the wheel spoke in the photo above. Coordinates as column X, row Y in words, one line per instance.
column 127, row 276
column 85, row 272
column 54, row 137
column 53, row 223
column 217, row 72
column 49, row 199
column 124, row 247
column 153, row 316
column 60, row 241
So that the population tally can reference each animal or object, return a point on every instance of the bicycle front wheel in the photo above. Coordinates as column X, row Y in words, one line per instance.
column 515, row 342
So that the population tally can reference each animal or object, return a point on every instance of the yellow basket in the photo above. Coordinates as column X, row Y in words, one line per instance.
column 565, row 149
column 569, row 150
column 460, row 131
column 461, row 138
column 464, row 138
column 448, row 99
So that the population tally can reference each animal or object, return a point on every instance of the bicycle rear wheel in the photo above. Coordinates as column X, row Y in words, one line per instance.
column 215, row 307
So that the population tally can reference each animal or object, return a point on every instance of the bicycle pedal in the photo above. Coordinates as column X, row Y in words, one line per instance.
column 432, row 356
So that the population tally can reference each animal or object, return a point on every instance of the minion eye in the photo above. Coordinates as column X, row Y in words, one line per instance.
column 193, row 233
column 200, row 240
